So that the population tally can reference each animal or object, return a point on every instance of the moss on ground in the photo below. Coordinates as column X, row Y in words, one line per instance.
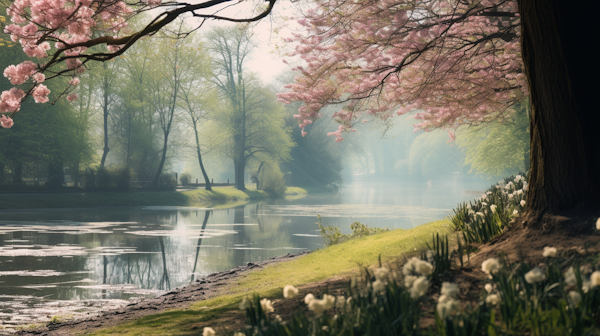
column 344, row 259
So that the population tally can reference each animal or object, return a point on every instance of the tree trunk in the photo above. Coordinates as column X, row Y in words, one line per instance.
column 162, row 161
column 204, row 174
column 239, row 166
column 560, row 64
column 105, row 112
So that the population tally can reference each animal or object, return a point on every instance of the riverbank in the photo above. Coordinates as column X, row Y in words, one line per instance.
column 318, row 268
column 198, row 197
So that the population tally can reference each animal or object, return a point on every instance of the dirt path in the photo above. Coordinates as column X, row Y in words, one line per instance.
column 200, row 290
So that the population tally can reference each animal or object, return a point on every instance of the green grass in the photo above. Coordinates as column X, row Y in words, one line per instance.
column 344, row 259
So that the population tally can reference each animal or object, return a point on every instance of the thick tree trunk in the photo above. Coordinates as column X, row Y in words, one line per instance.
column 163, row 158
column 560, row 64
column 239, row 166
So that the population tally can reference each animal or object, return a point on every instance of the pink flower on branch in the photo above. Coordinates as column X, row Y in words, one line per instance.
column 40, row 94
column 6, row 122
column 458, row 62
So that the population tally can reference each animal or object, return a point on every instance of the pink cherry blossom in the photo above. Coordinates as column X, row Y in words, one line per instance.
column 72, row 97
column 39, row 77
column 40, row 94
column 6, row 122
column 449, row 63
column 11, row 100
column 74, row 81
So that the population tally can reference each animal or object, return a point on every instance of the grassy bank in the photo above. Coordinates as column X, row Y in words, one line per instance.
column 219, row 195
column 343, row 259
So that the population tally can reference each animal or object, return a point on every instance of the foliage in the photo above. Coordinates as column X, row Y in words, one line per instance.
column 167, row 181
column 560, row 297
column 271, row 180
column 498, row 148
column 185, row 179
column 482, row 220
column 332, row 235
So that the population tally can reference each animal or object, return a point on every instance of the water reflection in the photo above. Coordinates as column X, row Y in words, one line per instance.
column 68, row 262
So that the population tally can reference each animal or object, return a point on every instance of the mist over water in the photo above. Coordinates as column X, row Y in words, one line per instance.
column 73, row 261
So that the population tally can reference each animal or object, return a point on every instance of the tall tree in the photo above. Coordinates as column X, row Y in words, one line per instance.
column 253, row 118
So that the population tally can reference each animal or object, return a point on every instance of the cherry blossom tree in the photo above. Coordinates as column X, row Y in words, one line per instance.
column 63, row 35
column 459, row 62
column 456, row 62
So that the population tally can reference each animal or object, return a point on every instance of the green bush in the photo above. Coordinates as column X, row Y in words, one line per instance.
column 332, row 235
column 89, row 178
column 185, row 179
column 271, row 180
column 124, row 177
column 104, row 178
column 167, row 181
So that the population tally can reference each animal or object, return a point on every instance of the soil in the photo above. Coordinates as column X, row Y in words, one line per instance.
column 572, row 235
column 179, row 298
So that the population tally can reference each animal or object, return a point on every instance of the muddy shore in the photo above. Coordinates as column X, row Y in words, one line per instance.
column 179, row 298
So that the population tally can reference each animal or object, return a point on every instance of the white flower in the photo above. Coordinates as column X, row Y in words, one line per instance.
column 488, row 288
column 419, row 287
column 329, row 301
column 409, row 280
column 549, row 252
column 278, row 318
column 469, row 206
column 208, row 331
column 510, row 196
column 317, row 307
column 516, row 212
column 308, row 298
column 525, row 186
column 492, row 299
column 598, row 224
column 378, row 286
column 381, row 273
column 570, row 278
column 575, row 297
column 493, row 208
column 424, row 267
column 447, row 307
column 450, row 289
column 479, row 213
column 518, row 178
column 489, row 193
column 483, row 203
column 535, row 275
column 595, row 279
column 522, row 203
column 245, row 304
column 289, row 291
column 266, row 306
column 415, row 264
column 484, row 196
column 490, row 266
column 471, row 212
column 519, row 192
column 239, row 334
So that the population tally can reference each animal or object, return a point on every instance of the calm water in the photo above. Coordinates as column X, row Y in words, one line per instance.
column 72, row 261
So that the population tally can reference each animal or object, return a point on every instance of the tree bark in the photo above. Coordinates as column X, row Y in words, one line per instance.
column 240, row 167
column 560, row 64
column 204, row 174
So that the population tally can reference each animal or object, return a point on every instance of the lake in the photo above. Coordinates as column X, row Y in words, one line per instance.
column 68, row 262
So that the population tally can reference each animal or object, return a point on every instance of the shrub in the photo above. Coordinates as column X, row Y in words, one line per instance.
column 124, row 177
column 89, row 178
column 104, row 178
column 332, row 235
column 167, row 181
column 185, row 179
column 271, row 180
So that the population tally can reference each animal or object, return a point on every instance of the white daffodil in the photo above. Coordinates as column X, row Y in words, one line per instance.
column 493, row 208
column 492, row 299
column 488, row 288
column 419, row 287
column 208, row 331
column 450, row 289
column 289, row 292
column 595, row 279
column 549, row 252
column 381, row 273
column 266, row 306
column 535, row 275
column 490, row 266
column 523, row 203
column 378, row 286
